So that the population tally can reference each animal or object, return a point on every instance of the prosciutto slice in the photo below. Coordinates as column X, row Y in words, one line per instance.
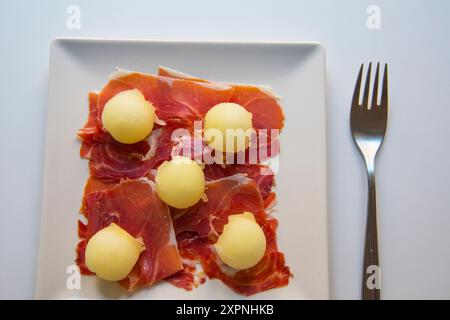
column 92, row 185
column 171, row 97
column 115, row 160
column 271, row 272
column 259, row 100
column 225, row 196
column 87, row 133
column 134, row 206
column 261, row 174
column 198, row 228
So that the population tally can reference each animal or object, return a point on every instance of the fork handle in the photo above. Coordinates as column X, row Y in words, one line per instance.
column 371, row 282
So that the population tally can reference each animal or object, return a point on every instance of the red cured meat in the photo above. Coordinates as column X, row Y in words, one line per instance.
column 109, row 196
column 271, row 272
column 198, row 228
column 80, row 251
column 267, row 112
column 178, row 102
column 171, row 97
column 94, row 184
column 134, row 206
column 86, row 133
column 115, row 160
column 188, row 278
column 110, row 159
column 89, row 130
column 175, row 74
column 262, row 175
column 230, row 195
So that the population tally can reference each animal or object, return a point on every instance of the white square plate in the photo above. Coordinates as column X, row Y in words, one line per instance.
column 295, row 70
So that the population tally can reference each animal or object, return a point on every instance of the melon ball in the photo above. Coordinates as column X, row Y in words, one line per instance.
column 180, row 182
column 112, row 252
column 128, row 117
column 242, row 243
column 227, row 126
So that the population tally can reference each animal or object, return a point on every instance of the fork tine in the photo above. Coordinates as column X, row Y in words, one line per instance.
column 365, row 102
column 375, row 88
column 355, row 100
column 384, row 91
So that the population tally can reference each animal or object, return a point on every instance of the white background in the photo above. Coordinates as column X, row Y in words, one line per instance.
column 413, row 166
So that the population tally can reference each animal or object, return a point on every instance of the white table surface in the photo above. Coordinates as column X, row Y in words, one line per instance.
column 413, row 172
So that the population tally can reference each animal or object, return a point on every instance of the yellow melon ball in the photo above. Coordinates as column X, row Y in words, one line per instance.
column 228, row 127
column 180, row 182
column 112, row 252
column 128, row 117
column 242, row 243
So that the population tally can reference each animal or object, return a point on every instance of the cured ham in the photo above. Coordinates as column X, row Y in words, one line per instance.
column 259, row 100
column 198, row 228
column 261, row 174
column 225, row 196
column 94, row 184
column 120, row 188
column 115, row 160
column 110, row 159
column 89, row 130
column 171, row 97
column 134, row 206
column 178, row 102
column 271, row 272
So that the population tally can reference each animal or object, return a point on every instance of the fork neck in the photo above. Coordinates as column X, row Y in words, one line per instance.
column 370, row 165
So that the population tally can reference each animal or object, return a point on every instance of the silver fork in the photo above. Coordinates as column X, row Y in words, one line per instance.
column 368, row 126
